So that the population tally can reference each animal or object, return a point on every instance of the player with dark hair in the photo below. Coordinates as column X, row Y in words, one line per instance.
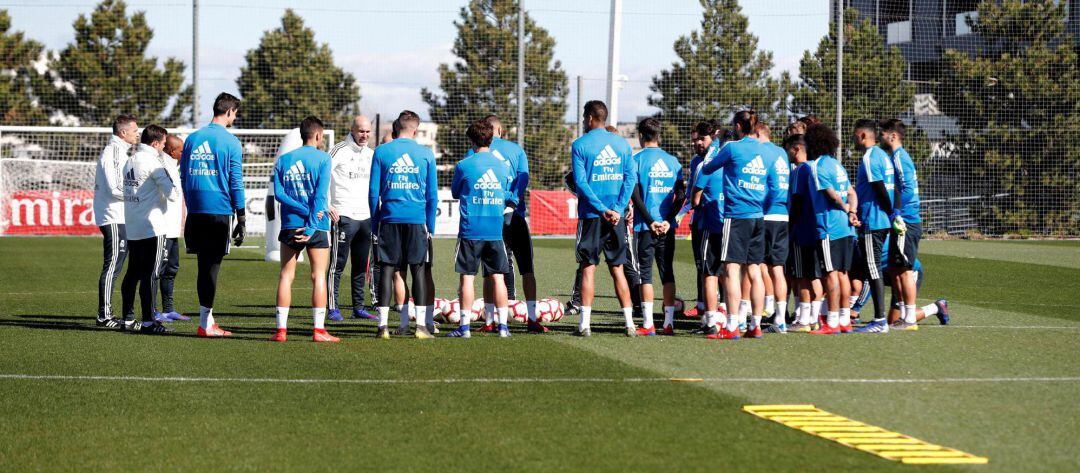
column 803, row 264
column 482, row 185
column 302, row 186
column 907, row 230
column 874, row 185
column 701, row 140
column 148, row 187
column 350, row 176
column 403, row 198
column 109, row 212
column 738, row 246
column 174, row 219
column 827, row 192
column 604, row 179
column 776, row 229
column 657, row 198
column 213, row 183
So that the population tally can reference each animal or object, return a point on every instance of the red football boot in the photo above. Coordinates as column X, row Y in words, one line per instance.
column 213, row 332
column 320, row 335
column 534, row 326
column 826, row 330
column 280, row 336
column 668, row 330
column 753, row 332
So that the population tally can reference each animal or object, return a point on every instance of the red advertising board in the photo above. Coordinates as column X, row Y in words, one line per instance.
column 46, row 212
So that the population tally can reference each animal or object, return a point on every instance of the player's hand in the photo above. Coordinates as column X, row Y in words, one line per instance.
column 667, row 227
column 854, row 219
column 508, row 215
column 299, row 237
column 612, row 217
column 240, row 230
column 657, row 228
column 898, row 224
column 333, row 213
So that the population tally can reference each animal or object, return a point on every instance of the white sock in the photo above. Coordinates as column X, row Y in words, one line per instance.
column 852, row 300
column 421, row 315
column 711, row 319
column 319, row 314
column 489, row 314
column 646, row 309
column 757, row 321
column 780, row 316
column 804, row 310
column 282, row 318
column 930, row 310
column 399, row 307
column 834, row 319
column 815, row 311
column 530, row 307
column 845, row 316
column 384, row 316
column 744, row 307
column 628, row 315
column 910, row 314
column 504, row 313
column 206, row 317
column 669, row 315
column 586, row 318
column 733, row 322
column 770, row 305
column 466, row 316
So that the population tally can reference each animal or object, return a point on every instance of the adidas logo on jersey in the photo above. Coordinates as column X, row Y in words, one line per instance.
column 404, row 165
column 755, row 166
column 660, row 170
column 203, row 152
column 488, row 181
column 607, row 157
column 296, row 172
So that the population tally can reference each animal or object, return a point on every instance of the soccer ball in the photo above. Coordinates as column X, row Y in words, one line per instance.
column 519, row 311
column 442, row 310
column 478, row 306
column 453, row 311
column 549, row 310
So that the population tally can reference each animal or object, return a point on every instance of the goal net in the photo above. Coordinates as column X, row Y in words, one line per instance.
column 47, row 177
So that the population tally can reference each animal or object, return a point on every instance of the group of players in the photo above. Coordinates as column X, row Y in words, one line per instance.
column 762, row 215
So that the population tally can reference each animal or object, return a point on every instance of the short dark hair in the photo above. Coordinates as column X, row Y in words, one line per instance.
column 704, row 128
column 408, row 116
column 309, row 127
column 809, row 120
column 492, row 119
column 596, row 110
column 745, row 121
column 153, row 133
column 224, row 103
column 120, row 122
column 649, row 129
column 894, row 125
column 793, row 140
column 866, row 124
column 395, row 128
column 724, row 134
column 480, row 133
column 820, row 140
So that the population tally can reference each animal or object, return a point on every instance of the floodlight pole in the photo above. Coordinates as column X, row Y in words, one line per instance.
column 839, row 73
column 194, row 63
column 521, row 74
column 613, row 62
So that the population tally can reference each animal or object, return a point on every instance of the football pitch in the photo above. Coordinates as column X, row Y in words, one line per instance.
column 1001, row 382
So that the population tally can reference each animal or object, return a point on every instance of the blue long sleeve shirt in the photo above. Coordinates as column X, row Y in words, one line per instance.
column 779, row 182
column 404, row 184
column 604, row 173
column 518, row 162
column 745, row 177
column 657, row 173
column 211, row 171
column 482, row 186
column 302, row 186
column 908, row 180
column 875, row 166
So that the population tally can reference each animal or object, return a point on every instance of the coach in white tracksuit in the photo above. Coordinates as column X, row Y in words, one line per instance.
column 350, row 177
column 109, row 211
column 148, row 188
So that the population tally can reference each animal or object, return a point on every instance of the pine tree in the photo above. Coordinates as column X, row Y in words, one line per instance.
column 1017, row 103
column 106, row 72
column 17, row 54
column 290, row 76
column 484, row 81
column 719, row 71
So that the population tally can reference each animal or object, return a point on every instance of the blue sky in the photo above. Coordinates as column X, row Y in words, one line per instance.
column 394, row 50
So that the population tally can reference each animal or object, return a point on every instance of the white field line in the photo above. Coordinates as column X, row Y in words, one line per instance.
column 376, row 381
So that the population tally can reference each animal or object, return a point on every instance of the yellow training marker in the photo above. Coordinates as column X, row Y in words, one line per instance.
column 868, row 438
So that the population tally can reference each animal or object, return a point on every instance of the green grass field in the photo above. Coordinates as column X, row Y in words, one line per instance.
column 1002, row 381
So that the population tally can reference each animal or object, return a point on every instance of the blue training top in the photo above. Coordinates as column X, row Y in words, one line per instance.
column 804, row 225
column 518, row 161
column 302, row 185
column 908, row 180
column 744, row 175
column 776, row 200
column 211, row 171
column 482, row 186
column 404, row 184
column 604, row 173
column 832, row 220
column 875, row 166
column 657, row 173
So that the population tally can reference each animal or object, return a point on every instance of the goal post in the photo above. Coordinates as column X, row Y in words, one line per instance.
column 47, row 176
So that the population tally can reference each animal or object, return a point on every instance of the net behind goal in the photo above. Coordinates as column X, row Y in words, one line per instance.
column 47, row 177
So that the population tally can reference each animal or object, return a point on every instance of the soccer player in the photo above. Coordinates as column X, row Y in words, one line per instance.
column 213, row 184
column 604, row 179
column 174, row 219
column 483, row 186
column 350, row 177
column 904, row 249
column 301, row 185
column 740, row 245
column 833, row 219
column 803, row 265
column 776, row 230
column 701, row 140
column 109, row 212
column 657, row 198
column 874, row 187
column 148, row 186
column 403, row 197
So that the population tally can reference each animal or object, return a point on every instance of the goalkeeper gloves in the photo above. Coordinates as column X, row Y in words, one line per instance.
column 508, row 215
column 241, row 227
column 898, row 224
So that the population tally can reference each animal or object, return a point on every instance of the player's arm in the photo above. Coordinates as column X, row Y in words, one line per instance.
column 521, row 180
column 164, row 183
column 456, row 183
column 236, row 176
column 875, row 174
column 718, row 162
column 823, row 182
column 630, row 181
column 374, row 187
column 900, row 181
column 284, row 198
column 432, row 194
column 581, row 183
column 114, row 172
column 677, row 200
column 320, row 201
column 640, row 210
column 568, row 180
